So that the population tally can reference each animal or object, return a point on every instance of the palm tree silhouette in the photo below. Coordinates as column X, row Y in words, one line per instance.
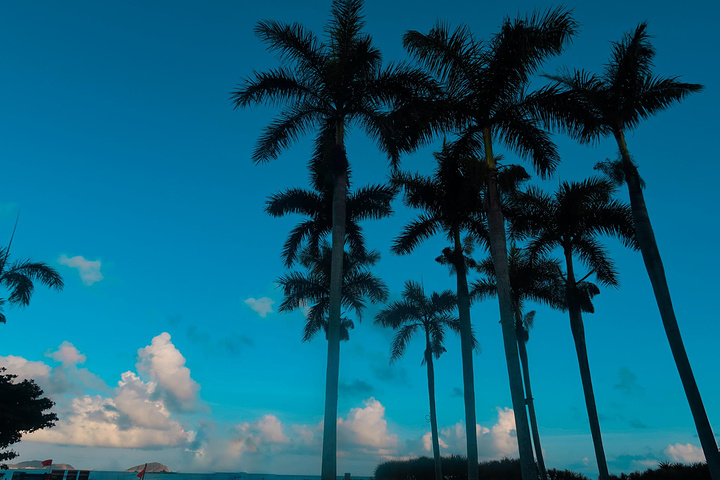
column 486, row 95
column 534, row 279
column 431, row 315
column 19, row 277
column 589, row 107
column 310, row 289
column 372, row 201
column 329, row 86
column 571, row 220
column 451, row 202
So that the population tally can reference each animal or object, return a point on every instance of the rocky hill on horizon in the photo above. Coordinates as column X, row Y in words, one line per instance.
column 152, row 467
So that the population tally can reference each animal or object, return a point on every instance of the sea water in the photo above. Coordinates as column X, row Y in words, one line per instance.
column 109, row 475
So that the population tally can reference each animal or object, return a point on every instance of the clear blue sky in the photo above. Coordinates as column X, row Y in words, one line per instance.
column 132, row 176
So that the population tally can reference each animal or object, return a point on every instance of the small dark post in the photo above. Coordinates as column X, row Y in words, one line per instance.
column 347, row 476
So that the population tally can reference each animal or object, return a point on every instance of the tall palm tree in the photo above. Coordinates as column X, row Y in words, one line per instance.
column 451, row 203
column 534, row 279
column 430, row 315
column 311, row 288
column 589, row 107
column 486, row 84
column 329, row 86
column 571, row 220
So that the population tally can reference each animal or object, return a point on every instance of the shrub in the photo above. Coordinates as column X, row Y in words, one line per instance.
column 555, row 474
column 670, row 471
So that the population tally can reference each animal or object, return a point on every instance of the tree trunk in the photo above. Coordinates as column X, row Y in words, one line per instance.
column 433, row 412
column 498, row 250
column 578, row 332
column 339, row 165
column 656, row 272
column 530, row 403
column 467, row 360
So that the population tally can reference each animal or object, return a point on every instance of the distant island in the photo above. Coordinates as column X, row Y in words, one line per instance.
column 152, row 467
column 37, row 464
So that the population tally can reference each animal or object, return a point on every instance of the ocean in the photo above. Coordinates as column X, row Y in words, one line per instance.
column 109, row 475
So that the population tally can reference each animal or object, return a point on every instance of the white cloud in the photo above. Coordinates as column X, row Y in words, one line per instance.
column 687, row 453
column 89, row 269
column 262, row 306
column 99, row 421
column 427, row 442
column 504, row 437
column 165, row 364
column 135, row 414
column 366, row 427
column 26, row 369
column 495, row 442
column 67, row 354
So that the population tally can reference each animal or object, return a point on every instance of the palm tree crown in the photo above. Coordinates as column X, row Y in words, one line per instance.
column 417, row 312
column 19, row 277
column 571, row 220
column 372, row 201
column 311, row 289
column 590, row 106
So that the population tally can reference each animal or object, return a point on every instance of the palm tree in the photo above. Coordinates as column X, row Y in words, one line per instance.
column 430, row 315
column 571, row 220
column 486, row 84
column 18, row 278
column 311, row 288
column 451, row 202
column 372, row 201
column 533, row 279
column 589, row 107
column 328, row 86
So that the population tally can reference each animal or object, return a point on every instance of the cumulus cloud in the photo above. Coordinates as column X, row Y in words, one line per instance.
column 65, row 378
column 89, row 269
column 687, row 453
column 427, row 442
column 67, row 354
column 26, row 369
column 367, row 427
column 166, row 365
column 102, row 422
column 262, row 306
column 263, row 433
column 494, row 442
column 135, row 414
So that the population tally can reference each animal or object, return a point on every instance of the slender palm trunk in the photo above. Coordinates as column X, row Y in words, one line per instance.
column 339, row 165
column 530, row 403
column 433, row 412
column 578, row 332
column 463, row 295
column 654, row 266
column 498, row 250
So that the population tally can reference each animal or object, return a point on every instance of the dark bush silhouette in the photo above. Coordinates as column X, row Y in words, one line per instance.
column 670, row 471
column 454, row 467
column 554, row 474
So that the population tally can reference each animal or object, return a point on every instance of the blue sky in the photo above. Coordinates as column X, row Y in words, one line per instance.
column 132, row 176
